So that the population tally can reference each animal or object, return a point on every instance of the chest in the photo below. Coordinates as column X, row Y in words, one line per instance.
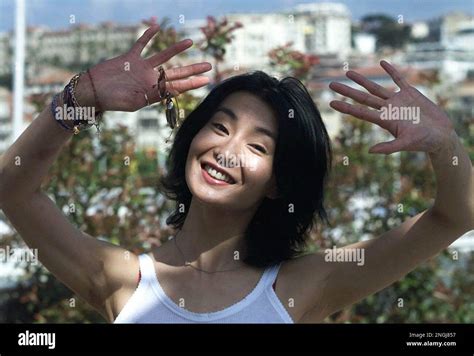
column 205, row 293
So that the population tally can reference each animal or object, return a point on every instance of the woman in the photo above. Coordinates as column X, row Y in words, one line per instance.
column 247, row 171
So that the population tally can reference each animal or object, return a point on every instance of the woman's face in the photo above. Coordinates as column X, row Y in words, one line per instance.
column 230, row 160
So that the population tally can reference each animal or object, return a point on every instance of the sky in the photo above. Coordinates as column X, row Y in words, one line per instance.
column 56, row 13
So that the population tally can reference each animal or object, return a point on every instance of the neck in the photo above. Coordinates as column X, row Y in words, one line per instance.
column 212, row 238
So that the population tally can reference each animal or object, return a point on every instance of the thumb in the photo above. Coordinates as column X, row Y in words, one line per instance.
column 387, row 147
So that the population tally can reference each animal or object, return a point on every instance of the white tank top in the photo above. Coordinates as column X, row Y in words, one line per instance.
column 150, row 304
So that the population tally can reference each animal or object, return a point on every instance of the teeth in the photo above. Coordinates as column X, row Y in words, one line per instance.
column 218, row 175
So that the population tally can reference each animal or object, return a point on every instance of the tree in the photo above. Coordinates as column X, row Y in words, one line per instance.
column 389, row 32
column 295, row 63
column 218, row 34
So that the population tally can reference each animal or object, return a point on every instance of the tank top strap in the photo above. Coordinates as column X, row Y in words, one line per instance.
column 147, row 268
column 271, row 274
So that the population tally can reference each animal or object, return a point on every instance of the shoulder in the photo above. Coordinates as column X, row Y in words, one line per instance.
column 122, row 276
column 122, row 283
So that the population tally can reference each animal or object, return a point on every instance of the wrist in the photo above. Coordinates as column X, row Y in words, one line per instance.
column 75, row 109
column 84, row 93
column 448, row 146
column 59, row 111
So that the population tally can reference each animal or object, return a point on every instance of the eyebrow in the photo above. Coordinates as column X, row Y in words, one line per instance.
column 259, row 129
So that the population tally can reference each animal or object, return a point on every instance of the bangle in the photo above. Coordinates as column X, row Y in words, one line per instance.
column 99, row 114
column 70, row 100
column 95, row 94
column 54, row 104
column 72, row 90
column 80, row 121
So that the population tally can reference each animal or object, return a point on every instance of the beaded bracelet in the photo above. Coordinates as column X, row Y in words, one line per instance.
column 69, row 100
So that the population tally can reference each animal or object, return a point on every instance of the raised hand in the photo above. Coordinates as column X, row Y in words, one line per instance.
column 122, row 82
column 415, row 121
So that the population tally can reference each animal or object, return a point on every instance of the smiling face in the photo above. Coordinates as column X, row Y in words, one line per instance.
column 230, row 160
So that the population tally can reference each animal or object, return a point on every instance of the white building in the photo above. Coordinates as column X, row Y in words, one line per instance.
column 451, row 24
column 464, row 37
column 449, row 47
column 147, row 126
column 322, row 28
column 259, row 35
column 329, row 28
column 78, row 45
column 453, row 62
column 5, row 118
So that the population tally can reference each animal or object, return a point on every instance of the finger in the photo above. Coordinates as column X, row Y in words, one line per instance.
column 357, row 95
column 371, row 87
column 144, row 39
column 169, row 52
column 360, row 112
column 396, row 76
column 179, row 86
column 188, row 71
column 389, row 147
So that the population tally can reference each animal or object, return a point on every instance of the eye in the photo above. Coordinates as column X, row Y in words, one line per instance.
column 260, row 148
column 220, row 127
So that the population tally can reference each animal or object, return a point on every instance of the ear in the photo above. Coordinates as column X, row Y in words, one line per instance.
column 272, row 192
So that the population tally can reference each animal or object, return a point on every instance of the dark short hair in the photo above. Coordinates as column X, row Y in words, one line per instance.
column 279, row 229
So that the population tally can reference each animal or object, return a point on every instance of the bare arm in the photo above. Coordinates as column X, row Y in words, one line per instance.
column 81, row 262
column 397, row 252
column 95, row 270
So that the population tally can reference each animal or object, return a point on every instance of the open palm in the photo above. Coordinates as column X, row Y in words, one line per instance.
column 415, row 121
column 123, row 81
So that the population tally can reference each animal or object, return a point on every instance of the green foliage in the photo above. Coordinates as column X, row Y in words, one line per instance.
column 291, row 62
column 6, row 80
column 389, row 32
column 218, row 34
column 399, row 186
